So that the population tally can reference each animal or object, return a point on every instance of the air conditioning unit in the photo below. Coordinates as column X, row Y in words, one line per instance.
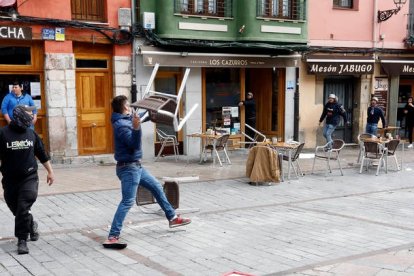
column 148, row 19
column 124, row 18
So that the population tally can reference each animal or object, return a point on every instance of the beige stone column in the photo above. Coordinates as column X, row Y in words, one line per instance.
column 60, row 83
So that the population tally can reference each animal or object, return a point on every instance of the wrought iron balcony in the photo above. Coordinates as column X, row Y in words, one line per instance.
column 409, row 40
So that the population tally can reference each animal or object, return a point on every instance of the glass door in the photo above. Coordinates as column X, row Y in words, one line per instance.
column 167, row 82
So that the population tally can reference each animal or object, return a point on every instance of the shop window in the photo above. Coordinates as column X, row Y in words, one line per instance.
column 222, row 98
column 31, row 85
column 220, row 8
column 283, row 9
column 15, row 55
column 89, row 10
column 91, row 63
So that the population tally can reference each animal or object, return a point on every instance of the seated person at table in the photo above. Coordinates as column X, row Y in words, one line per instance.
column 375, row 113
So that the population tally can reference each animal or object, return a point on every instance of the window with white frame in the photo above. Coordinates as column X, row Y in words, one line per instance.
column 286, row 9
column 218, row 8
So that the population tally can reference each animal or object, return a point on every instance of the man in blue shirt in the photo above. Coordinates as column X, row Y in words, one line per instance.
column 375, row 113
column 16, row 97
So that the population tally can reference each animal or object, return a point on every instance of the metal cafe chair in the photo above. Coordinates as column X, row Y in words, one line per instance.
column 361, row 138
column 325, row 154
column 219, row 144
column 258, row 136
column 164, row 107
column 374, row 151
column 167, row 140
column 295, row 160
column 391, row 151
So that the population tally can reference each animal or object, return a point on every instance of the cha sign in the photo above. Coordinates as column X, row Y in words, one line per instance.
column 13, row 32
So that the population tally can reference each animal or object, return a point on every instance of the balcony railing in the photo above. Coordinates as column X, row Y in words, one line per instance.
column 215, row 8
column 282, row 9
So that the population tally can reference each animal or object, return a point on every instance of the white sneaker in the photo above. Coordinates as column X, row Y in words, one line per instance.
column 410, row 146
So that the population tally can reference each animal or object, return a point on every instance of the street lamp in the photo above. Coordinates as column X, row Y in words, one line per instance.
column 385, row 15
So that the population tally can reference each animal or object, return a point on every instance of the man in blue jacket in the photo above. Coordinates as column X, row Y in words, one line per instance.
column 374, row 114
column 17, row 97
column 332, row 111
column 127, row 131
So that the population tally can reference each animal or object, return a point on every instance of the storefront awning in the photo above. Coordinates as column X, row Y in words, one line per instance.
column 153, row 55
column 395, row 66
column 339, row 65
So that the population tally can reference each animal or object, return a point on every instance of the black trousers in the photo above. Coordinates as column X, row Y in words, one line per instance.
column 410, row 132
column 251, row 122
column 20, row 194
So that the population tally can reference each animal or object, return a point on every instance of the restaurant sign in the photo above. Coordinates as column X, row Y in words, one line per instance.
column 13, row 32
column 331, row 65
column 397, row 66
column 184, row 59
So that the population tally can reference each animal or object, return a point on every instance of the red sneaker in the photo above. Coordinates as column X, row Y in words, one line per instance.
column 114, row 243
column 179, row 221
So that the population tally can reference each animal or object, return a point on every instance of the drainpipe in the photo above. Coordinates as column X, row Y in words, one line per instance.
column 296, row 108
column 133, row 67
column 374, row 25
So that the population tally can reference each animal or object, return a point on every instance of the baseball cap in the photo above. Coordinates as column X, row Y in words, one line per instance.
column 374, row 99
column 332, row 96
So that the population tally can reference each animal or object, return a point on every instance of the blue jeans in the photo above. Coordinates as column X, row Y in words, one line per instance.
column 131, row 177
column 371, row 128
column 327, row 132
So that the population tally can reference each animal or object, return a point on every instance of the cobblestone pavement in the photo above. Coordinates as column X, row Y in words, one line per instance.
column 356, row 224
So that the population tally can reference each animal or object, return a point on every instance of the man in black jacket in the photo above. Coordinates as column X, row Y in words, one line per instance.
column 332, row 111
column 250, row 113
column 19, row 147
column 374, row 114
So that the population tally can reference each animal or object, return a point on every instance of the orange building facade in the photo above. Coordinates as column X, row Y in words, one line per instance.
column 72, row 57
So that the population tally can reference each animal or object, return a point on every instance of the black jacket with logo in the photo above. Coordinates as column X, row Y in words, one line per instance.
column 333, row 112
column 18, row 151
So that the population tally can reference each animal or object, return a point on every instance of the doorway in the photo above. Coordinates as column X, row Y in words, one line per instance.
column 168, row 82
column 93, row 96
column 343, row 88
column 268, row 86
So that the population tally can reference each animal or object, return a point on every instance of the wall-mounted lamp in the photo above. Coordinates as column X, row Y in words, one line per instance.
column 385, row 15
column 13, row 14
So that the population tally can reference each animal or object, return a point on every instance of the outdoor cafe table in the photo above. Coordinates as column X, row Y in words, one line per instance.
column 205, row 138
column 288, row 147
column 388, row 129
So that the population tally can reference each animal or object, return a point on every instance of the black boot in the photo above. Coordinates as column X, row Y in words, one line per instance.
column 34, row 234
column 22, row 247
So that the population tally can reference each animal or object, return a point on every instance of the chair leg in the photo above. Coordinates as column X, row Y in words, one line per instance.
column 339, row 164
column 329, row 165
column 294, row 169
column 396, row 162
column 362, row 165
column 379, row 165
column 175, row 152
column 299, row 168
column 227, row 156
column 219, row 159
column 313, row 166
column 159, row 153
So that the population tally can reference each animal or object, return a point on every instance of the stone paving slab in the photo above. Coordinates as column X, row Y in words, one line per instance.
column 315, row 225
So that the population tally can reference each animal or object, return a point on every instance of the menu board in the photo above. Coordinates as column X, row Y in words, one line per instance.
column 381, row 92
